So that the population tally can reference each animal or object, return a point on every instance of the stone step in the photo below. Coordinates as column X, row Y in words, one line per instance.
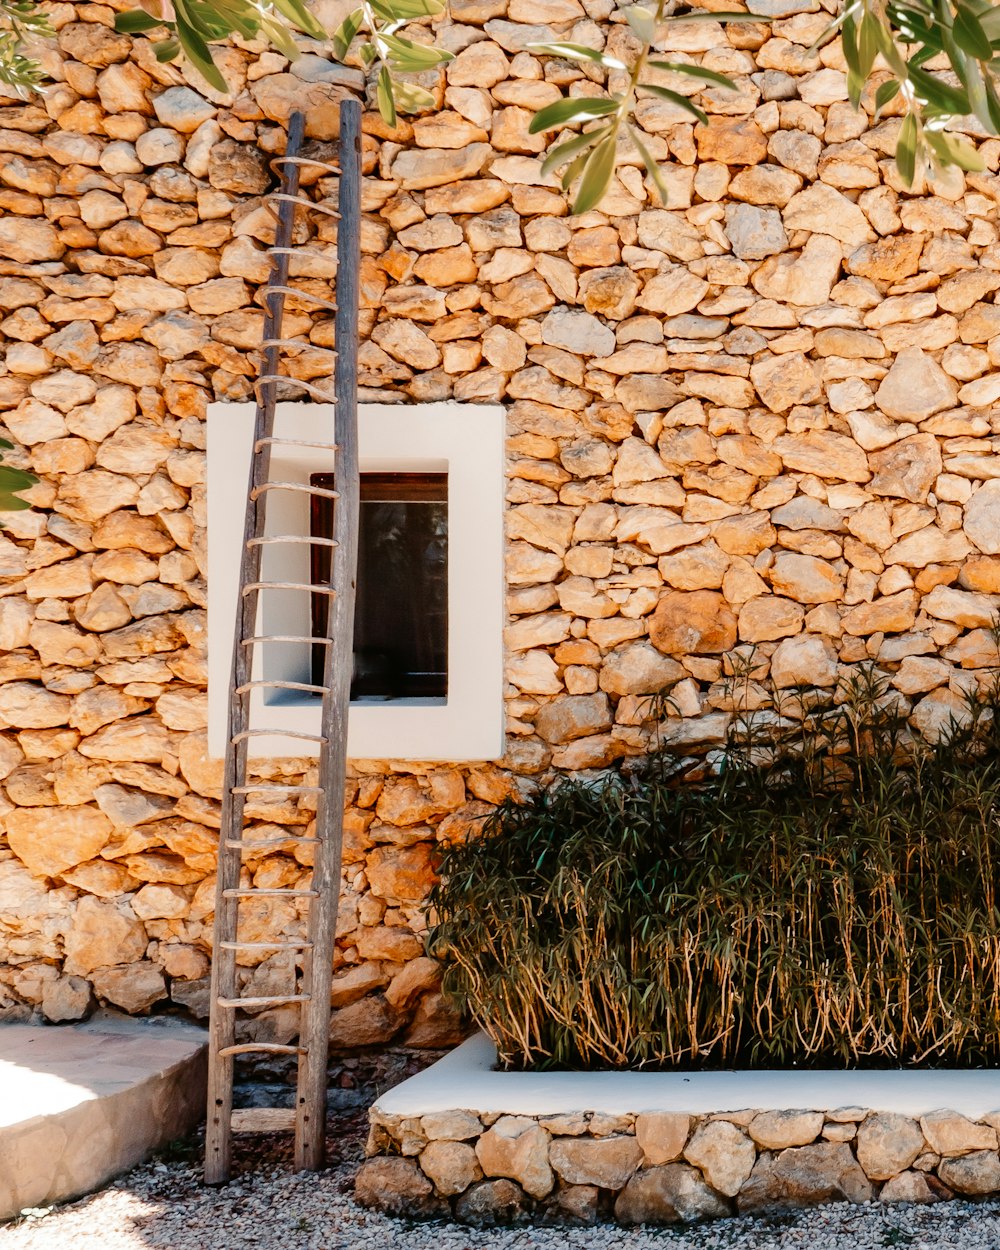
column 81, row 1103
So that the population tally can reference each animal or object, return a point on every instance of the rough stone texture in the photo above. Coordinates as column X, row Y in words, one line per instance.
column 606, row 1162
column 763, row 414
column 516, row 1147
column 662, row 1136
column 724, row 1154
column 665, row 1195
column 888, row 1143
column 825, row 1172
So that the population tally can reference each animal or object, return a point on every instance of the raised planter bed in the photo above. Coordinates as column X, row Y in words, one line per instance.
column 464, row 1141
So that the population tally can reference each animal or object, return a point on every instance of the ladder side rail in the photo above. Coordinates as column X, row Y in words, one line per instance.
column 338, row 662
column 222, row 1024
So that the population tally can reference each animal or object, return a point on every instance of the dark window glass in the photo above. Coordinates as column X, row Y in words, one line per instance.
column 401, row 614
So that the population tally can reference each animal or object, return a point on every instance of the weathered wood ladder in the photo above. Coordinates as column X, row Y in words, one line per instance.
column 312, row 995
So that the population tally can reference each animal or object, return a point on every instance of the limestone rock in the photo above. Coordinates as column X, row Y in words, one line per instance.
column 976, row 1173
column 981, row 517
column 695, row 622
column 607, row 1162
column 805, row 660
column 517, row 1147
column 396, row 1186
column 779, row 1130
column 103, row 935
column 50, row 840
column 806, row 579
column 951, row 1134
column 573, row 716
column 913, row 1187
column 803, row 1176
column 491, row 1202
column 666, row 1195
column 825, row 454
column 638, row 669
column 662, row 1135
column 451, row 1165
column 724, row 1154
column 133, row 987
column 887, row 1143
column 915, row 387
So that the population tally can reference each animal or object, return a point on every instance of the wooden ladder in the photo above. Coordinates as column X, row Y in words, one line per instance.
column 312, row 994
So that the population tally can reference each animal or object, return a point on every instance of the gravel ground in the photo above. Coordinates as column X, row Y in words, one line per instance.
column 164, row 1206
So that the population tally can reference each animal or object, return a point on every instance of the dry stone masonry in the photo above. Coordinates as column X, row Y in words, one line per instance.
column 761, row 418
column 669, row 1167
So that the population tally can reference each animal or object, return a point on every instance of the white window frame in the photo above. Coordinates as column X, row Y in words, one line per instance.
column 464, row 440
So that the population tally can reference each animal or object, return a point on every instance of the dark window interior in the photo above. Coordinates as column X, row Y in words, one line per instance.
column 401, row 613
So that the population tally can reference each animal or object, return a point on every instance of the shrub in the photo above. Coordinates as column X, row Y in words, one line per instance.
column 825, row 894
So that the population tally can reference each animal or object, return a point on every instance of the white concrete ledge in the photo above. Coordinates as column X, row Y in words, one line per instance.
column 82, row 1103
column 465, row 1079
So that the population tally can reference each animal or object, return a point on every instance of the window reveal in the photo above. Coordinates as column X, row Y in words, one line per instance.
column 401, row 610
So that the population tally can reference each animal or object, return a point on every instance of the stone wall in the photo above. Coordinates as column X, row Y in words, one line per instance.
column 670, row 1167
column 761, row 418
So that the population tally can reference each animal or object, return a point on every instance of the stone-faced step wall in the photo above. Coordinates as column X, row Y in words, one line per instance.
column 667, row 1167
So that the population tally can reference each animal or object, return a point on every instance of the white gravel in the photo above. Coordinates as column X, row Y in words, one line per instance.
column 164, row 1206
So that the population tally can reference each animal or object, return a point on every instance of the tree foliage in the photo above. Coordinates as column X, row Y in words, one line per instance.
column 935, row 61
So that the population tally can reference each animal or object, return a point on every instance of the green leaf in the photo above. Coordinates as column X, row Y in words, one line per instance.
column 343, row 36
column 564, row 151
column 955, row 150
column 704, row 15
column 385, row 98
column 300, row 17
column 695, row 71
column 940, row 95
column 411, row 98
column 642, row 22
column 652, row 168
column 596, row 176
column 577, row 52
column 136, row 22
column 573, row 109
column 166, row 50
column 886, row 92
column 197, row 51
column 413, row 58
column 406, row 10
column 906, row 149
column 970, row 36
column 675, row 97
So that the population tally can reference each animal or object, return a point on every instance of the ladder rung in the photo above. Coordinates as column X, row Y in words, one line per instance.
column 295, row 442
column 281, row 685
column 240, row 844
column 318, row 206
column 317, row 393
column 302, row 487
column 277, row 289
column 262, row 1120
column 311, row 161
column 249, row 642
column 250, row 892
column 266, row 946
column 314, row 589
column 302, row 344
column 277, row 789
column 308, row 539
column 263, row 1000
column 266, row 1048
column 270, row 733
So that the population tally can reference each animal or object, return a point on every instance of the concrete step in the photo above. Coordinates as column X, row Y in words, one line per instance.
column 81, row 1103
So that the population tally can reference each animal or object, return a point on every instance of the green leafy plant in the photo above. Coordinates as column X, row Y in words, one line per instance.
column 21, row 23
column 825, row 895
column 192, row 25
column 12, row 482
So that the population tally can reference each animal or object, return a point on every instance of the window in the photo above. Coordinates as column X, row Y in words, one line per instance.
column 428, row 680
column 401, row 609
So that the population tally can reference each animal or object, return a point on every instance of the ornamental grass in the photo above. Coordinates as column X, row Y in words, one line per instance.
column 822, row 893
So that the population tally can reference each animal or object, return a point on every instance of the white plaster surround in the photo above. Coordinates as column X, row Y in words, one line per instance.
column 465, row 1080
column 464, row 440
